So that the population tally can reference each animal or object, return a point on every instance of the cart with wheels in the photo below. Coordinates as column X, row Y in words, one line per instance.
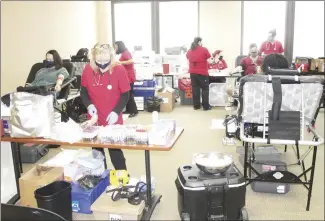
column 284, row 104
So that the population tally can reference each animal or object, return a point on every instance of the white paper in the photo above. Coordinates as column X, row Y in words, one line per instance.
column 69, row 132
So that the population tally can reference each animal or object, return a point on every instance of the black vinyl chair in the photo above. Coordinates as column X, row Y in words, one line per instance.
column 18, row 213
column 66, row 85
column 238, row 59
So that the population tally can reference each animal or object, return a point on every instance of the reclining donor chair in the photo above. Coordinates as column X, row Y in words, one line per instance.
column 66, row 85
column 284, row 104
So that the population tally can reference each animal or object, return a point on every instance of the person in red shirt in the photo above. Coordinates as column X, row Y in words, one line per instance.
column 105, row 91
column 198, row 68
column 249, row 65
column 219, row 63
column 127, row 62
column 271, row 46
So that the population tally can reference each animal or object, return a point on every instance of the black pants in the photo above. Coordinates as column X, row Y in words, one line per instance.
column 117, row 158
column 200, row 82
column 131, row 106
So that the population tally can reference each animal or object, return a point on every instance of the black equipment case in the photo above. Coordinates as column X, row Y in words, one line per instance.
column 211, row 197
column 31, row 153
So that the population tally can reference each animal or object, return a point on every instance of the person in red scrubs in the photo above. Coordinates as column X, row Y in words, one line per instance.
column 127, row 62
column 271, row 46
column 105, row 92
column 249, row 65
column 219, row 63
column 198, row 68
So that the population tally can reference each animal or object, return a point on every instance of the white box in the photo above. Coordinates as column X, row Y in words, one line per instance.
column 106, row 209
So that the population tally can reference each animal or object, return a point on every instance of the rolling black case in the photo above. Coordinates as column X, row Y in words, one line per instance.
column 31, row 153
column 211, row 197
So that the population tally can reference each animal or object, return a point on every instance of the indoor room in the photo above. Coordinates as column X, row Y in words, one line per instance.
column 162, row 110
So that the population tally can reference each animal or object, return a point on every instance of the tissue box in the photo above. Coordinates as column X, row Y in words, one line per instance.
column 82, row 199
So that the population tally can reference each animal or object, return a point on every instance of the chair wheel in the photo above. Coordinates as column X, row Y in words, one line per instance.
column 243, row 214
column 185, row 217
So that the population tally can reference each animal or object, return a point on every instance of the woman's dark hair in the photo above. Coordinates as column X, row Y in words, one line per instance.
column 120, row 47
column 275, row 61
column 58, row 63
column 195, row 43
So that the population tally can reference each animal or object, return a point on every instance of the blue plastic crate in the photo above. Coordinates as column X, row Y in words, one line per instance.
column 82, row 200
column 145, row 84
column 141, row 92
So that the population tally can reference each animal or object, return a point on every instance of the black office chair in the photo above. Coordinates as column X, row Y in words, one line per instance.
column 18, row 213
column 238, row 59
column 66, row 85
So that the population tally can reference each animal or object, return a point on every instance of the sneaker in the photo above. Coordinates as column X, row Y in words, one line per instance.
column 207, row 109
column 197, row 108
column 133, row 115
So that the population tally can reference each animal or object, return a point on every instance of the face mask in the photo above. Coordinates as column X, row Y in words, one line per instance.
column 103, row 66
column 48, row 64
column 220, row 58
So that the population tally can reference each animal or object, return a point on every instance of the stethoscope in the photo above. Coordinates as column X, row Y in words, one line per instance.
column 96, row 81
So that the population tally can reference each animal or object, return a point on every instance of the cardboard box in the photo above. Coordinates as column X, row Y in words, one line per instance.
column 106, row 209
column 168, row 95
column 34, row 179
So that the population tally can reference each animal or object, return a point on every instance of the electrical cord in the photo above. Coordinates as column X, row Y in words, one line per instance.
column 134, row 197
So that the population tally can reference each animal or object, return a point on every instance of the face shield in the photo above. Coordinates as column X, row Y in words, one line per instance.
column 102, row 54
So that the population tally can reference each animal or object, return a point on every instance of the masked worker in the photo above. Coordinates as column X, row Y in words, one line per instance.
column 105, row 92
column 251, row 63
column 127, row 62
column 271, row 46
column 198, row 68
column 218, row 62
column 53, row 73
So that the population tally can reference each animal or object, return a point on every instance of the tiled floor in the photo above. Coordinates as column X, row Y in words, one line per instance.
column 198, row 137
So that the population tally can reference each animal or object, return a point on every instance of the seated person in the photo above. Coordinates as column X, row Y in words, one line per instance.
column 251, row 63
column 218, row 64
column 274, row 61
column 53, row 73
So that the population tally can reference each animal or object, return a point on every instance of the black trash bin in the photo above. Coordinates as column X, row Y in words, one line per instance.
column 56, row 197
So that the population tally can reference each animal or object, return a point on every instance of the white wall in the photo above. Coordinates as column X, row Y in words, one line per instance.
column 220, row 27
column 29, row 29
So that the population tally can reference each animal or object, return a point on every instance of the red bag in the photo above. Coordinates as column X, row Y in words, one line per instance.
column 184, row 84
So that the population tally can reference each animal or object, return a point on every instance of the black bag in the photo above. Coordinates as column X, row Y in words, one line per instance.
column 31, row 153
column 153, row 104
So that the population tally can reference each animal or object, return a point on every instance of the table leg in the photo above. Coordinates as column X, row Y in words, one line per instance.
column 311, row 182
column 152, row 201
column 16, row 162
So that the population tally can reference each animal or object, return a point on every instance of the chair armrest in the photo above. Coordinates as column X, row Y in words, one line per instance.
column 68, row 81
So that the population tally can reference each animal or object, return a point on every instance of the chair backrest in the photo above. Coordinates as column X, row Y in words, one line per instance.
column 256, row 96
column 238, row 59
column 67, row 65
column 36, row 67
column 18, row 213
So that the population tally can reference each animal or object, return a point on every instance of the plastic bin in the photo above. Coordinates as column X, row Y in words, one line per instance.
column 184, row 99
column 82, row 199
column 145, row 84
column 55, row 197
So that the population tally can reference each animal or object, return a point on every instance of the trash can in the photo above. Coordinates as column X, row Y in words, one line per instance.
column 56, row 197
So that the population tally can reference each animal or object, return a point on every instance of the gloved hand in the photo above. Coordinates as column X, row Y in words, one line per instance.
column 112, row 118
column 90, row 122
column 92, row 110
